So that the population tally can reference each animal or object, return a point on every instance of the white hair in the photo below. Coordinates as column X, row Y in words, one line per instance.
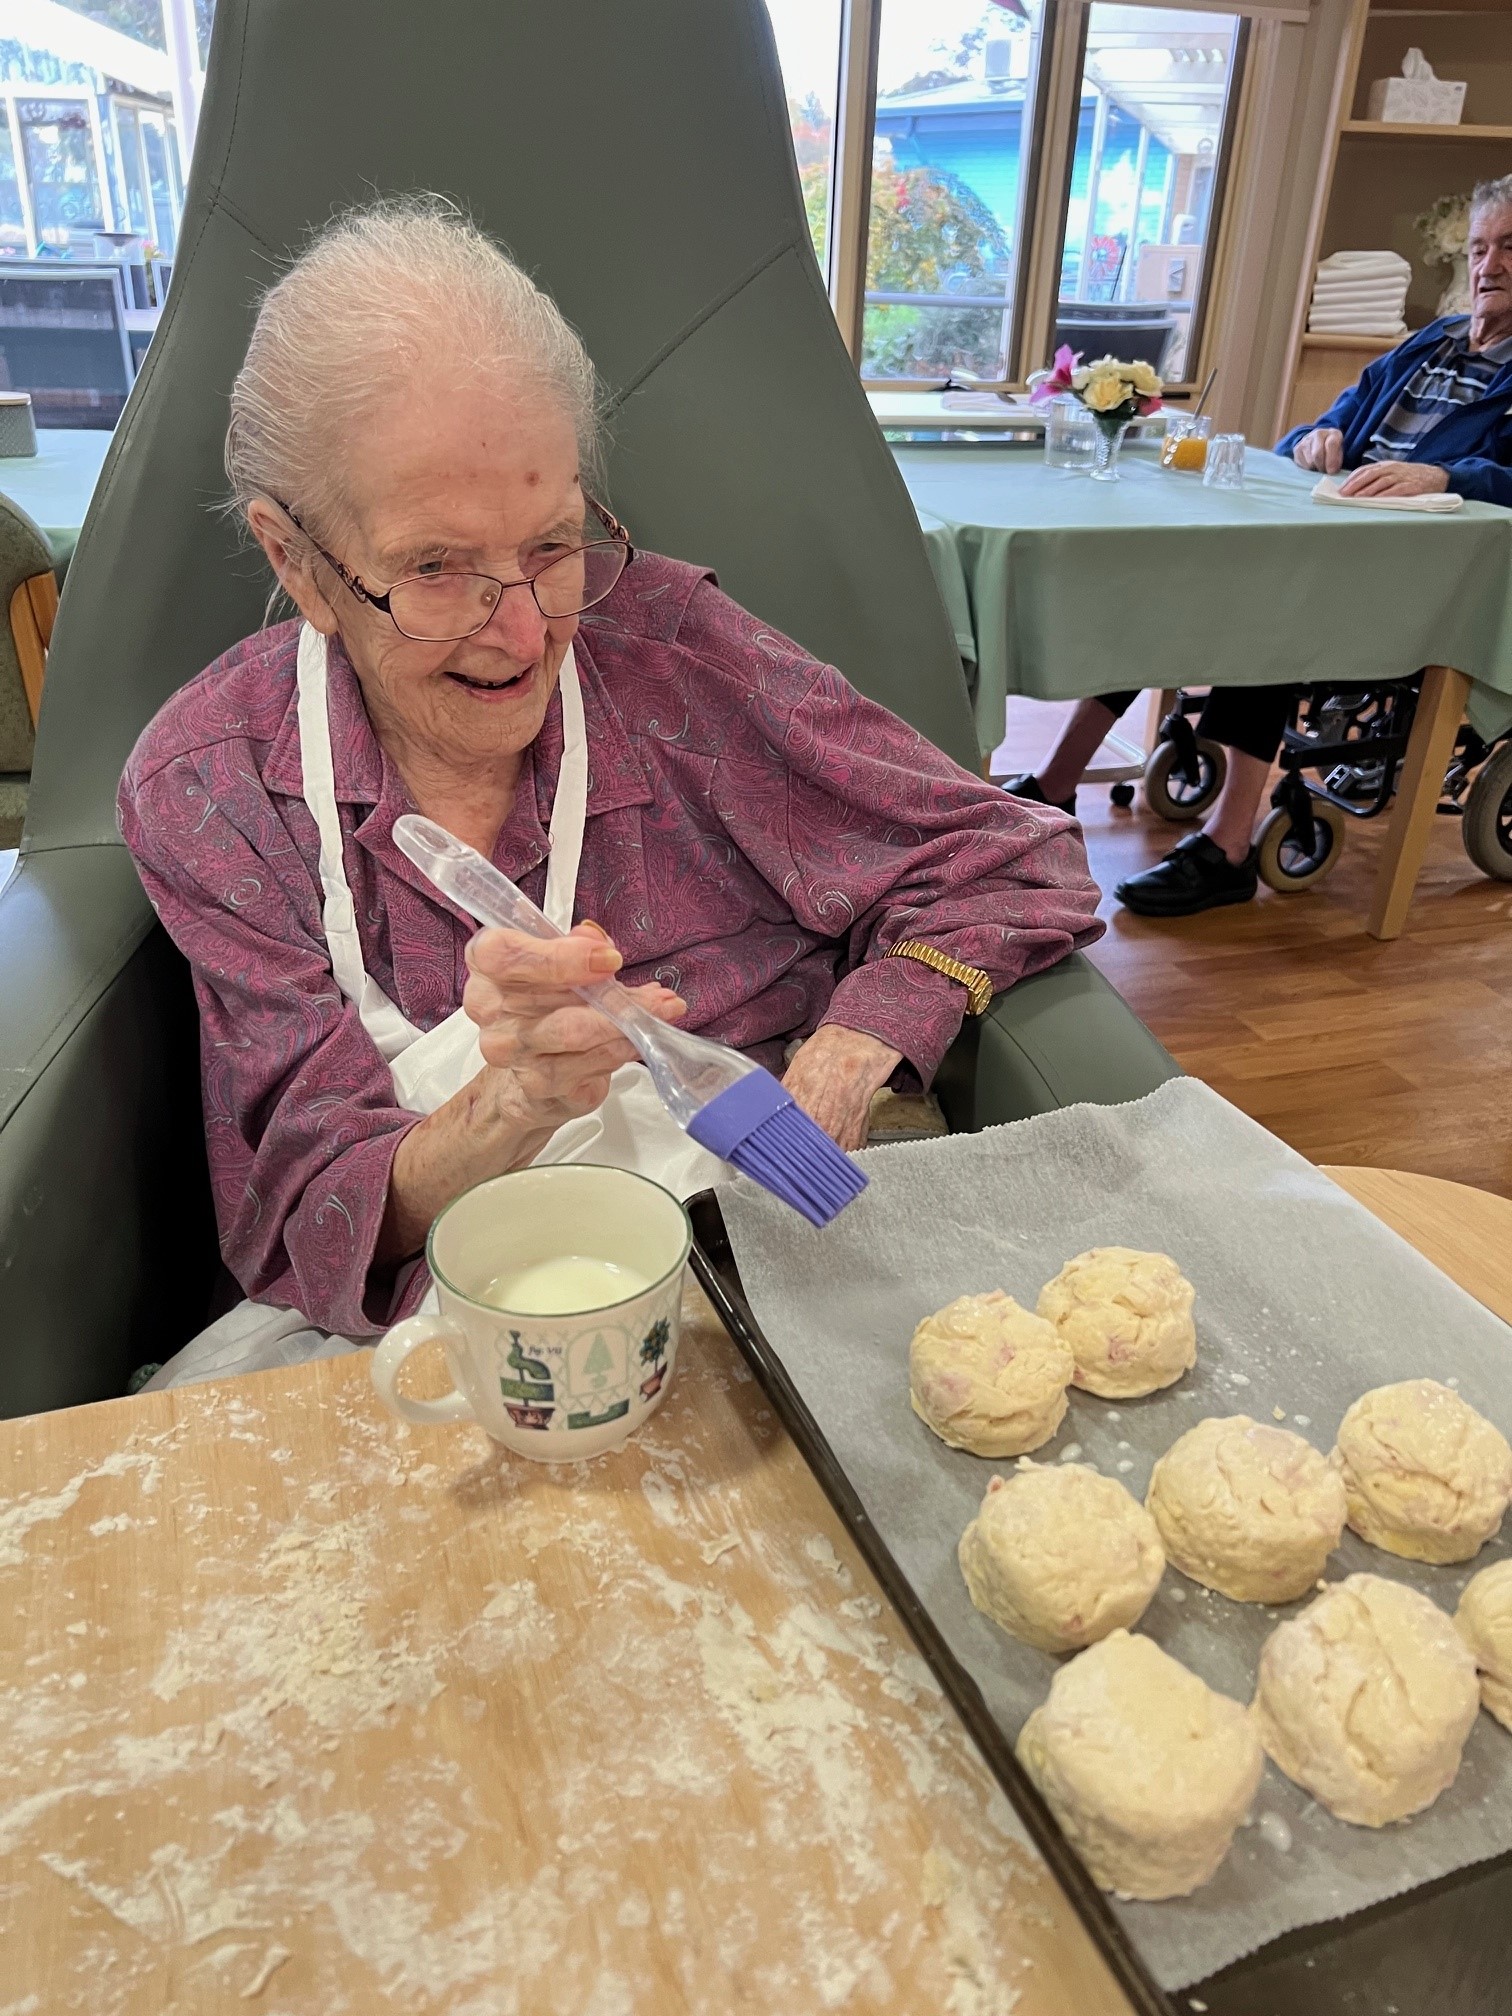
column 385, row 292
column 1495, row 195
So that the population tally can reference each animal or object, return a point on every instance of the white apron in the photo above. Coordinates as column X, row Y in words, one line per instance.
column 631, row 1130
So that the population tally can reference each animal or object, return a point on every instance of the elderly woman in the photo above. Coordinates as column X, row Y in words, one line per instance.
column 720, row 820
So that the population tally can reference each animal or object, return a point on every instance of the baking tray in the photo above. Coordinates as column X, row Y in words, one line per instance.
column 1444, row 1949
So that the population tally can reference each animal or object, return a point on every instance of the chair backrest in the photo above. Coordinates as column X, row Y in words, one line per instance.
column 637, row 160
column 63, row 339
column 25, row 556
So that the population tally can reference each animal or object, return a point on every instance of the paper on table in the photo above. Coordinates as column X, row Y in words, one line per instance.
column 1328, row 490
column 1304, row 1300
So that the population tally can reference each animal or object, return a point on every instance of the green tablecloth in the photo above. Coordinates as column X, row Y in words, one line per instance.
column 1059, row 587
column 54, row 486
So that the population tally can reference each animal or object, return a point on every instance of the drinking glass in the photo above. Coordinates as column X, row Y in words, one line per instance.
column 1225, row 463
column 1186, row 441
column 1070, row 434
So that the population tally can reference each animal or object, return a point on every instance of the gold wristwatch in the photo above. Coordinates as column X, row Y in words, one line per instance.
column 978, row 984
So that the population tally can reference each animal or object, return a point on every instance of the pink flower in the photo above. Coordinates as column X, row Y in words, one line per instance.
column 1066, row 361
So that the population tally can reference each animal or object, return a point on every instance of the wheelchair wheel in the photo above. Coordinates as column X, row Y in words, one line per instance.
column 1287, row 867
column 1488, row 817
column 1169, row 795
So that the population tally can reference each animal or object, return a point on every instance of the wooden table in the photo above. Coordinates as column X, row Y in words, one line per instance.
column 309, row 1711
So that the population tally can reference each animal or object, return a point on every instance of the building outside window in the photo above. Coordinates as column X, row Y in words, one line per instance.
column 88, row 134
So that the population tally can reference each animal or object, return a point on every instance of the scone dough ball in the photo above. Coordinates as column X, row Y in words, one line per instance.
column 1127, row 1317
column 1366, row 1699
column 1249, row 1510
column 1147, row 1770
column 988, row 1376
column 1060, row 1555
column 1484, row 1621
column 1427, row 1477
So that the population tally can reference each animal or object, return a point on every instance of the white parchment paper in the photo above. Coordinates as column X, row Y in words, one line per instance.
column 1304, row 1300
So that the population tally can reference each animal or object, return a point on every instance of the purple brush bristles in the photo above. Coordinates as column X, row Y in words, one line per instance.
column 759, row 1127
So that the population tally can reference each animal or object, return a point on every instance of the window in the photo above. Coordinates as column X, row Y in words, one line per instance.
column 988, row 178
column 1149, row 135
column 152, row 182
column 951, row 137
column 162, row 180
column 133, row 168
column 12, row 213
column 58, row 141
column 808, row 48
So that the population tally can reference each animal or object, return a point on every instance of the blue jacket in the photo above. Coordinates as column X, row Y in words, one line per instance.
column 1474, row 442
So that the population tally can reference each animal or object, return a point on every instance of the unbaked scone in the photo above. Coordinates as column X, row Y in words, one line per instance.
column 1366, row 1699
column 1060, row 1555
column 989, row 1376
column 1127, row 1317
column 1147, row 1770
column 1484, row 1621
column 1249, row 1510
column 1427, row 1477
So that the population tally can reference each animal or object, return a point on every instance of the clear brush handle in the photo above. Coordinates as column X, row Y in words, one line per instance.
column 688, row 1070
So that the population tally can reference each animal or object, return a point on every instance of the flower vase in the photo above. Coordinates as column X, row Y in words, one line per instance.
column 1455, row 299
column 1105, row 446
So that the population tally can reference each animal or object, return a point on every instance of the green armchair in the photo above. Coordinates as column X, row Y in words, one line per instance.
column 637, row 160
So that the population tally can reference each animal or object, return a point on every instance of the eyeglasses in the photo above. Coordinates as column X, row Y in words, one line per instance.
column 444, row 608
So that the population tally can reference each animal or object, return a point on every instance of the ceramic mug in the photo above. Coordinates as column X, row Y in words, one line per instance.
column 560, row 1387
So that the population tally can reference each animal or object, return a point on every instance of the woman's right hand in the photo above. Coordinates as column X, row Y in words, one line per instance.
column 549, row 1059
column 559, row 1052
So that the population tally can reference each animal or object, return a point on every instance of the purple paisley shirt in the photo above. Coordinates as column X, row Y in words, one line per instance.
column 758, row 835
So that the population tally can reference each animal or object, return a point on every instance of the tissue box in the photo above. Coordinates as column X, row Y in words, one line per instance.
column 1417, row 101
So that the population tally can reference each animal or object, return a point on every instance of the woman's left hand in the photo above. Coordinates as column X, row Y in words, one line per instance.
column 834, row 1076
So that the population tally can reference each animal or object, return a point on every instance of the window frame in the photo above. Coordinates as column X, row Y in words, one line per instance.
column 1046, row 170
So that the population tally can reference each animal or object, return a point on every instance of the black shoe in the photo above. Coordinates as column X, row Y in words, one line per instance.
column 1195, row 875
column 1028, row 786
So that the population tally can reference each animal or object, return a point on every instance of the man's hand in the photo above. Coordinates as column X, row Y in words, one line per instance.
column 1322, row 450
column 1396, row 479
column 834, row 1076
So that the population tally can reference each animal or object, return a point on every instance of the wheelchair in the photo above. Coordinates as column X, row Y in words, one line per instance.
column 1340, row 759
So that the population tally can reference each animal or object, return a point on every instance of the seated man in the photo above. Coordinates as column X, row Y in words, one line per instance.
column 1433, row 414
column 411, row 440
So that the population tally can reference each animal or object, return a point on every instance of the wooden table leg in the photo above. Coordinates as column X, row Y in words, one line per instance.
column 1440, row 709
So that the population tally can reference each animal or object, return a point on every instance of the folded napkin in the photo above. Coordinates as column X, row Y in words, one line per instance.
column 1327, row 491
column 1379, row 294
column 1359, row 264
column 1355, row 325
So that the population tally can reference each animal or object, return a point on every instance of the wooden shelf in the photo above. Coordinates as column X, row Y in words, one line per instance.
column 1378, row 129
column 1314, row 341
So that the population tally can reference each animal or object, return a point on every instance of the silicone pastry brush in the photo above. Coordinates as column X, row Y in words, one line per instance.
column 729, row 1105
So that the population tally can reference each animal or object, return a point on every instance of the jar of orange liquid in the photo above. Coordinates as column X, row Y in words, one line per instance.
column 1186, row 442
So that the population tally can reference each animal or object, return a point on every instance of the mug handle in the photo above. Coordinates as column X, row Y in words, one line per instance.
column 404, row 1338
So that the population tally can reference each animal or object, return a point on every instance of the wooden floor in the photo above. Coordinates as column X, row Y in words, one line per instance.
column 1398, row 1054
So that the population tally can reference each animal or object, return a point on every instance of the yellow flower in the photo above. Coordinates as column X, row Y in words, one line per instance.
column 1144, row 379
column 1106, row 392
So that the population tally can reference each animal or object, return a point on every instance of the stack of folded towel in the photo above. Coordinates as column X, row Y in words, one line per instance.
column 1360, row 294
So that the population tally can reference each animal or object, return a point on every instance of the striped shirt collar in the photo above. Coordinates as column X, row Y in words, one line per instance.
column 1458, row 333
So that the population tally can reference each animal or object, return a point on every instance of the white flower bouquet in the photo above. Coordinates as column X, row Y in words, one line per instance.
column 1444, row 228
